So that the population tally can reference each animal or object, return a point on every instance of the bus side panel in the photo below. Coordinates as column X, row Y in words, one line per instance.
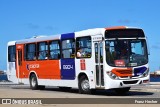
column 49, row 69
column 68, row 64
column 68, row 69
column 11, row 72
column 11, row 65
column 45, row 69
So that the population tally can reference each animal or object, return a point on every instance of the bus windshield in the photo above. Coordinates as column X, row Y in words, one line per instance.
column 126, row 52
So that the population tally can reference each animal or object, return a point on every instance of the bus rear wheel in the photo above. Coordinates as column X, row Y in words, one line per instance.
column 84, row 87
column 33, row 82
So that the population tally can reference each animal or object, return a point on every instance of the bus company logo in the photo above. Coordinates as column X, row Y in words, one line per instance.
column 29, row 66
column 67, row 66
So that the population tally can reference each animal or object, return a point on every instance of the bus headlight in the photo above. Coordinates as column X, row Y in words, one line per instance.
column 112, row 75
column 145, row 74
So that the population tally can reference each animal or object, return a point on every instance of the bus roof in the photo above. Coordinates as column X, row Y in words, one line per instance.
column 91, row 32
column 95, row 31
column 11, row 43
column 37, row 39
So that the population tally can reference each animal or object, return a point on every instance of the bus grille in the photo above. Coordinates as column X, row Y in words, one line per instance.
column 130, row 82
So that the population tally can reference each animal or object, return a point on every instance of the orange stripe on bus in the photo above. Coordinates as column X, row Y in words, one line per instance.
column 122, row 72
column 116, row 27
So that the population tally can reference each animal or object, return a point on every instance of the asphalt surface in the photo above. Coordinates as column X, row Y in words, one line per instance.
column 10, row 90
column 144, row 91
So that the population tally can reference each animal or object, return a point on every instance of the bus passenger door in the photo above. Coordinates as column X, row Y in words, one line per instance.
column 99, row 63
column 19, row 64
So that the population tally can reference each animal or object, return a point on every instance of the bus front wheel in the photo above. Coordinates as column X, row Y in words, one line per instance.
column 84, row 87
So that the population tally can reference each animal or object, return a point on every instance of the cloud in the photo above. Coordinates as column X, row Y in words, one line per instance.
column 49, row 28
column 155, row 47
column 126, row 21
column 32, row 26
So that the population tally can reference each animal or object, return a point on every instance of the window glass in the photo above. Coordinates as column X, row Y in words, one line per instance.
column 68, row 48
column 101, row 52
column 30, row 51
column 12, row 53
column 42, row 50
column 54, row 50
column 96, row 52
column 137, row 47
column 83, row 46
column 126, row 52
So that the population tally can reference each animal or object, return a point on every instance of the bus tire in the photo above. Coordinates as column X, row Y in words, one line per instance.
column 122, row 91
column 83, row 84
column 33, row 82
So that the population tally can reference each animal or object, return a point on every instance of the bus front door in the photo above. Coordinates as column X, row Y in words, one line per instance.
column 99, row 64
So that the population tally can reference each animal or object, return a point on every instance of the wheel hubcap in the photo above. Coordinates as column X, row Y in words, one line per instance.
column 33, row 82
column 85, row 85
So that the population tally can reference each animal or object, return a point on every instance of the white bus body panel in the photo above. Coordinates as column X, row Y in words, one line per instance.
column 11, row 66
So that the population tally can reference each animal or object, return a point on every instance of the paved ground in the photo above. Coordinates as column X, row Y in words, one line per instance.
column 9, row 90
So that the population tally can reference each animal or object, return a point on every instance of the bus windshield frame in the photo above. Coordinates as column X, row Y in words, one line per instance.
column 126, row 52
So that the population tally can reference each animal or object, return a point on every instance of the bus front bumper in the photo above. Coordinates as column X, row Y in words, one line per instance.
column 126, row 82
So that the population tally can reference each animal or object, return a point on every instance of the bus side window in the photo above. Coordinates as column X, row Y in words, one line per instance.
column 54, row 49
column 83, row 47
column 42, row 50
column 12, row 53
column 68, row 48
column 31, row 51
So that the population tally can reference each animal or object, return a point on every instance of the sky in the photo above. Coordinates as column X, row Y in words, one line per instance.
column 21, row 19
